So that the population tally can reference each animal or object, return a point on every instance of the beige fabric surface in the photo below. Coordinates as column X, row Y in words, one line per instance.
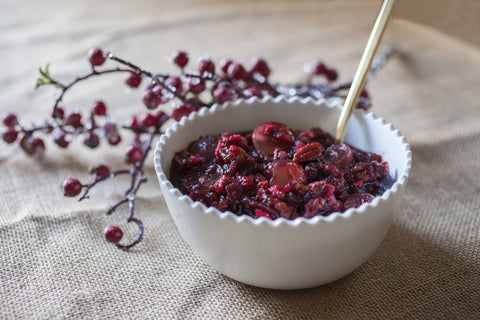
column 54, row 263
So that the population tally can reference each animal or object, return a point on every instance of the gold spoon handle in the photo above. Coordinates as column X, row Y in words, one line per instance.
column 364, row 66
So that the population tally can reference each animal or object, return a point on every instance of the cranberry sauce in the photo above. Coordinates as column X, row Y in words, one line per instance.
column 276, row 171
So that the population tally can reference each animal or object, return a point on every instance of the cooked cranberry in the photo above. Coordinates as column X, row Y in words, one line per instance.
column 99, row 108
column 311, row 176
column 269, row 136
column 113, row 234
column 9, row 119
column 180, row 58
column 9, row 134
column 96, row 56
column 357, row 199
column 71, row 187
column 133, row 79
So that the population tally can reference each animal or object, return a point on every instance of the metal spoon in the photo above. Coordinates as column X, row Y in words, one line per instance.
column 364, row 66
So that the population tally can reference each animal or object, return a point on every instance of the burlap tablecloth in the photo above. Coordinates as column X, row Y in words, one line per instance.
column 54, row 262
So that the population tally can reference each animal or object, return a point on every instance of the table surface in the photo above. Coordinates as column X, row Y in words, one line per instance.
column 54, row 262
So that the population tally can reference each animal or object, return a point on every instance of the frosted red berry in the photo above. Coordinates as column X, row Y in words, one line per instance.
column 59, row 113
column 236, row 71
column 134, row 154
column 74, row 119
column 9, row 119
column 96, row 56
column 100, row 171
column 61, row 139
column 92, row 140
column 99, row 108
column 180, row 58
column 331, row 74
column 223, row 94
column 224, row 64
column 133, row 79
column 174, row 83
column 9, row 134
column 71, row 187
column 113, row 234
column 205, row 65
column 318, row 68
column 151, row 99
column 147, row 120
column 195, row 85
column 261, row 67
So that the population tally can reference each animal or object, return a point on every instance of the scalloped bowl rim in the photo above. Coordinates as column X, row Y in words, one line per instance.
column 279, row 221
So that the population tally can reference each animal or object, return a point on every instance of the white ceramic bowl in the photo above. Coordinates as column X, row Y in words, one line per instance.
column 284, row 254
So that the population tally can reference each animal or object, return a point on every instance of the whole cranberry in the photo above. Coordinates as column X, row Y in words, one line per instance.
column 180, row 58
column 96, row 56
column 260, row 66
column 9, row 119
column 9, row 134
column 74, row 119
column 133, row 79
column 71, row 187
column 113, row 234
column 134, row 153
column 236, row 71
column 205, row 64
column 99, row 108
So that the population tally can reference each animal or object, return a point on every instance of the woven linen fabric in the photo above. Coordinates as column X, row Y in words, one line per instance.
column 54, row 263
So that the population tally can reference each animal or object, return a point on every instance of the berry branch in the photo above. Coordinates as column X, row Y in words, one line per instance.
column 186, row 91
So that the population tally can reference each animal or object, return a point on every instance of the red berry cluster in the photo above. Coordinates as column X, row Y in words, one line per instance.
column 204, row 86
